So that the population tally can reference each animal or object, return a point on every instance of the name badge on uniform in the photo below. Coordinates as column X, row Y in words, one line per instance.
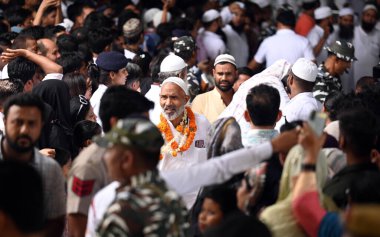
column 200, row 144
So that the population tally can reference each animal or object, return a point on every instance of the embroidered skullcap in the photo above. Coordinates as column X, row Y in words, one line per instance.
column 225, row 58
column 178, row 81
column 346, row 11
column 132, row 28
column 305, row 69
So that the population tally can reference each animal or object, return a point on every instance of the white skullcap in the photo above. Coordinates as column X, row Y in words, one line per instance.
column 261, row 3
column 226, row 15
column 322, row 13
column 240, row 4
column 225, row 58
column 148, row 15
column 158, row 16
column 210, row 15
column 346, row 11
column 178, row 81
column 172, row 63
column 305, row 69
column 369, row 6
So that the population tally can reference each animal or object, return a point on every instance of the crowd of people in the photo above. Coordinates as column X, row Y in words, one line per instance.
column 190, row 118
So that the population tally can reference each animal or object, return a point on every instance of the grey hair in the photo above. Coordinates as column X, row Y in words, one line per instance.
column 164, row 75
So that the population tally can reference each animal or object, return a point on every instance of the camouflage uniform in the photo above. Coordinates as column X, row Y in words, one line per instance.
column 145, row 208
column 325, row 84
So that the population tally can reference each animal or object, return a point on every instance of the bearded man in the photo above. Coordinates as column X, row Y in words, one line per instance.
column 212, row 103
column 184, row 132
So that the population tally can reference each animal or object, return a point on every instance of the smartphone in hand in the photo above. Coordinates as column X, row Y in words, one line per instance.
column 317, row 121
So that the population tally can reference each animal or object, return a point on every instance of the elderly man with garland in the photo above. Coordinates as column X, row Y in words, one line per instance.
column 184, row 132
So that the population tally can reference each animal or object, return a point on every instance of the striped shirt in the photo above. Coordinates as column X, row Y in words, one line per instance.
column 325, row 83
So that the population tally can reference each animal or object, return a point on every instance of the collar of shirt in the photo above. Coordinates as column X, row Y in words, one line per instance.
column 285, row 31
column 324, row 74
column 258, row 136
column 302, row 95
column 52, row 76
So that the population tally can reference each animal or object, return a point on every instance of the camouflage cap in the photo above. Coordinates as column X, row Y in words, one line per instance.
column 343, row 50
column 134, row 132
column 184, row 44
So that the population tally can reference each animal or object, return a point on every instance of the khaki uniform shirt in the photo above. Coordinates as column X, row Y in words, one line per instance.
column 87, row 176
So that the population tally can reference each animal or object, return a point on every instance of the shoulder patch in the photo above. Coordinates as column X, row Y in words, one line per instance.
column 82, row 187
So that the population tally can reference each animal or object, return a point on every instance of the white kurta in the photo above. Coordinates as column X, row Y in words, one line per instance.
column 154, row 95
column 212, row 43
column 95, row 101
column 300, row 107
column 285, row 44
column 367, row 50
column 196, row 154
column 237, row 45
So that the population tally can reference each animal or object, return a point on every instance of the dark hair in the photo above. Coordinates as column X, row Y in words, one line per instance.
column 337, row 103
column 17, row 16
column 21, row 68
column 76, row 82
column 66, row 44
column 35, row 32
column 310, row 5
column 121, row 102
column 365, row 83
column 74, row 10
column 22, row 195
column 358, row 127
column 224, row 196
column 134, row 39
column 79, row 107
column 20, row 42
column 4, row 28
column 48, row 10
column 10, row 35
column 25, row 100
column 124, row 16
column 93, row 71
column 5, row 42
column 134, row 73
column 84, row 130
column 50, row 32
column 303, row 84
column 70, row 62
column 286, row 17
column 99, row 39
column 8, row 88
column 62, row 156
column 245, row 71
column 96, row 20
column 263, row 103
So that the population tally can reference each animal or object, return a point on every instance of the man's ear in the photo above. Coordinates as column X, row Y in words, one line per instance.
column 246, row 116
column 279, row 116
column 127, row 161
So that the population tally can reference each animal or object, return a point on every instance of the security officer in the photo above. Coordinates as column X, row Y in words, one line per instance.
column 144, row 206
column 340, row 56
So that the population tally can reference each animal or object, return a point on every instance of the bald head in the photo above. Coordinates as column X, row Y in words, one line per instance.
column 48, row 48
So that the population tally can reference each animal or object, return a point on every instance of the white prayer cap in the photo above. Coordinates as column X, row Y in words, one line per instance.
column 178, row 81
column 225, row 58
column 322, row 13
column 226, row 15
column 148, row 15
column 210, row 15
column 261, row 3
column 346, row 11
column 369, row 6
column 172, row 63
column 305, row 69
column 158, row 16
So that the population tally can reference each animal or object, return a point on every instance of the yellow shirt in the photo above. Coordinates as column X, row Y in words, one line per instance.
column 210, row 104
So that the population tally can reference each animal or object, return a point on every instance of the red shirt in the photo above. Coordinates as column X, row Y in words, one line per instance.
column 304, row 24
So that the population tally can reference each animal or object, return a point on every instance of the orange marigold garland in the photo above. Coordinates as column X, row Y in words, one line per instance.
column 187, row 128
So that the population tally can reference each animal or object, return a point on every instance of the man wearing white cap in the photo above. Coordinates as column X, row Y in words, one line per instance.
column 367, row 43
column 210, row 43
column 184, row 132
column 319, row 35
column 171, row 66
column 345, row 29
column 211, row 104
column 300, row 82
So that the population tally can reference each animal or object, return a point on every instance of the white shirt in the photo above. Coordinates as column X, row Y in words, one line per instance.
column 129, row 54
column 314, row 36
column 285, row 44
column 53, row 76
column 213, row 44
column 197, row 153
column 237, row 45
column 154, row 95
column 95, row 101
column 300, row 107
column 367, row 50
column 213, row 171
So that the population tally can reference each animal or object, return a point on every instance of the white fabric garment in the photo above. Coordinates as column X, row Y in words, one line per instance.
column 285, row 44
column 197, row 153
column 2, row 126
column 154, row 95
column 129, row 54
column 314, row 36
column 53, row 76
column 237, row 45
column 95, row 101
column 300, row 107
column 272, row 77
column 213, row 171
column 212, row 43
column 367, row 50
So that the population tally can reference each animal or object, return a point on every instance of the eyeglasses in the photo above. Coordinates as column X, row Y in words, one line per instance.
column 83, row 101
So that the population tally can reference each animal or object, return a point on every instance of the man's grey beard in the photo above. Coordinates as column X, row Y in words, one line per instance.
column 175, row 115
